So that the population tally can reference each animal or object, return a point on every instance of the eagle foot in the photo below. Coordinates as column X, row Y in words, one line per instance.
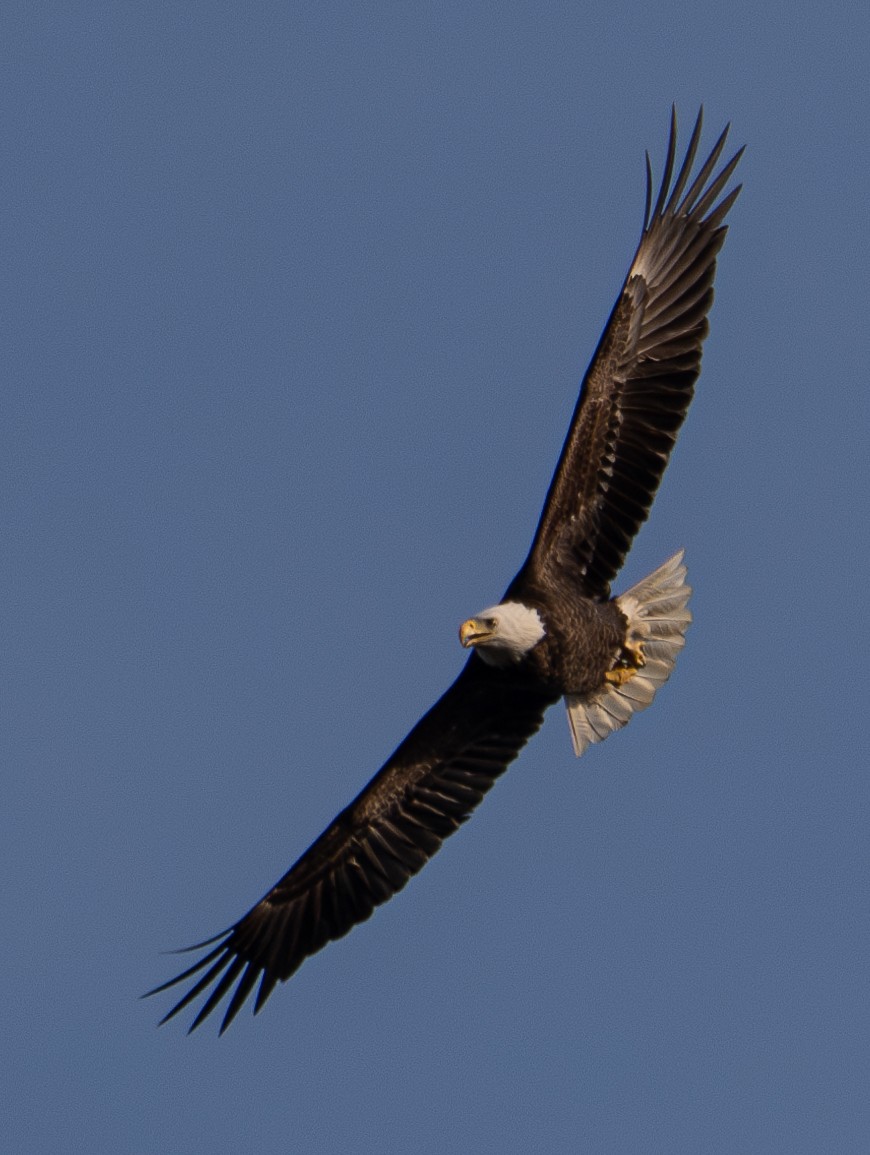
column 633, row 655
column 631, row 659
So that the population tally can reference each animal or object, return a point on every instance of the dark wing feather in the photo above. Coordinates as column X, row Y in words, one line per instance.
column 390, row 831
column 636, row 391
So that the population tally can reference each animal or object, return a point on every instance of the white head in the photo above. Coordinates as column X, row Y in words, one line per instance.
column 503, row 634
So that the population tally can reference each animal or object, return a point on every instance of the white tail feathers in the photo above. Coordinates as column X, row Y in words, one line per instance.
column 658, row 618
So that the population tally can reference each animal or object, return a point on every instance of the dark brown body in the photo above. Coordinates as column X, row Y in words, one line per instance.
column 583, row 641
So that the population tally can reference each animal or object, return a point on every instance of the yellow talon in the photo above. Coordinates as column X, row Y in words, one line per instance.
column 631, row 659
column 634, row 651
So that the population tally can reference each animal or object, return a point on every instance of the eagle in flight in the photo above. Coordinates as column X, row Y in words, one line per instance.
column 556, row 633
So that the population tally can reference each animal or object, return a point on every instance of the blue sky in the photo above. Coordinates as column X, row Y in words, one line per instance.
column 296, row 304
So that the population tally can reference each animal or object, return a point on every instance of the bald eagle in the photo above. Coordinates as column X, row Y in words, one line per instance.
column 556, row 633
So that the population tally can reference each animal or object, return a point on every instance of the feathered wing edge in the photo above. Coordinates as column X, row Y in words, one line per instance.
column 423, row 794
column 641, row 379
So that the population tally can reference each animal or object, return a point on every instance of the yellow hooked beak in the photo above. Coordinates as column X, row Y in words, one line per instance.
column 472, row 632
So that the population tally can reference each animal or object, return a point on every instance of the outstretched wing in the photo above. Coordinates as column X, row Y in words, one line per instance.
column 636, row 391
column 390, row 831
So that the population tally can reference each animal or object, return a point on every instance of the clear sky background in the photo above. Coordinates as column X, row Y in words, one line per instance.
column 297, row 298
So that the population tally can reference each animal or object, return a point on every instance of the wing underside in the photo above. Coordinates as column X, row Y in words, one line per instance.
column 388, row 833
column 638, row 387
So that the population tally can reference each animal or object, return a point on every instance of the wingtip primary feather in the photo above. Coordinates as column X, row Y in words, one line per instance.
column 669, row 165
